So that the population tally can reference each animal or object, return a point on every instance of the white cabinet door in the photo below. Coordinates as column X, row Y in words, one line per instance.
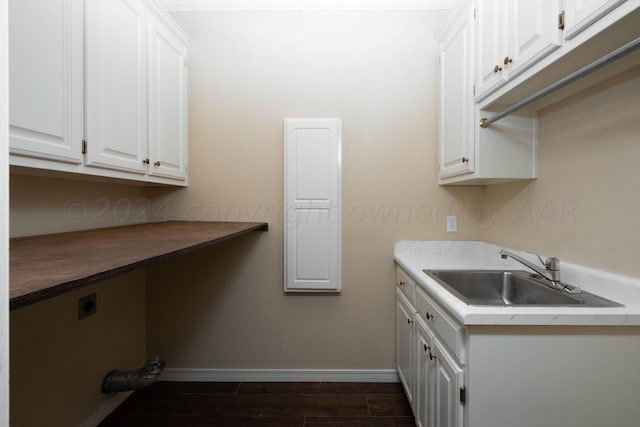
column 167, row 104
column 425, row 366
column 533, row 33
column 448, row 380
column 579, row 14
column 513, row 35
column 46, row 79
column 456, row 99
column 116, row 84
column 491, row 37
column 404, row 344
column 313, row 205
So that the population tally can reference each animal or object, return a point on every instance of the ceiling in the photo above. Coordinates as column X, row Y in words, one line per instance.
column 184, row 5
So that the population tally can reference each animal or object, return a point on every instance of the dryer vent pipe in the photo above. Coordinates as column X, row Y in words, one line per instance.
column 116, row 381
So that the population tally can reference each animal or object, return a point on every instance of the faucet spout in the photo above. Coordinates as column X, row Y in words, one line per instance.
column 551, row 272
column 554, row 276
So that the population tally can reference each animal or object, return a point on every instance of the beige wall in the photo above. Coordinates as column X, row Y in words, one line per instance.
column 377, row 71
column 40, row 205
column 58, row 362
column 585, row 205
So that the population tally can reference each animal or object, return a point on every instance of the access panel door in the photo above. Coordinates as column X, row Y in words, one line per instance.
column 312, row 205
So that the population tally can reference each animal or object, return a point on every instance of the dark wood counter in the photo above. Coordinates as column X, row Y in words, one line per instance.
column 42, row 267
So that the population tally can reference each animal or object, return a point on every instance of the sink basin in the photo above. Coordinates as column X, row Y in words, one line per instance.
column 510, row 288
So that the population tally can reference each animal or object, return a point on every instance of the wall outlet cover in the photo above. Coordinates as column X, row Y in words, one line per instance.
column 452, row 224
column 87, row 306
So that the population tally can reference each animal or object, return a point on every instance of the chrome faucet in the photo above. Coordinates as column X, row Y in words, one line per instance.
column 551, row 272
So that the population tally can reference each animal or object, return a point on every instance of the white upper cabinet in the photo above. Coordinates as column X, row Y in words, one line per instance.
column 511, row 36
column 167, row 103
column 579, row 14
column 456, row 123
column 491, row 41
column 99, row 88
column 116, row 84
column 46, row 68
column 468, row 155
column 533, row 31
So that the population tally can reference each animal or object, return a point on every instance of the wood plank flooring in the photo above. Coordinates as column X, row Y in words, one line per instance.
column 189, row 404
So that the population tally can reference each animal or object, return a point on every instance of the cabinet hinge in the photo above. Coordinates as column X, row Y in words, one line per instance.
column 84, row 147
column 474, row 13
column 561, row 21
column 463, row 395
column 185, row 63
column 474, row 90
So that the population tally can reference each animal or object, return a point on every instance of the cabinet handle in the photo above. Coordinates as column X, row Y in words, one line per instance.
column 146, row 161
column 427, row 348
column 401, row 283
column 409, row 321
column 497, row 69
column 428, row 315
column 507, row 60
column 157, row 164
column 465, row 160
column 431, row 356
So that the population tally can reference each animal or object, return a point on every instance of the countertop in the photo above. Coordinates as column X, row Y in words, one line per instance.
column 42, row 267
column 415, row 256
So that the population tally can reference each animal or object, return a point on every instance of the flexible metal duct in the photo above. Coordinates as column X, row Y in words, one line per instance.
column 116, row 381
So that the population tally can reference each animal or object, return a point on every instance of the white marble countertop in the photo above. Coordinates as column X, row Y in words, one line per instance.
column 415, row 256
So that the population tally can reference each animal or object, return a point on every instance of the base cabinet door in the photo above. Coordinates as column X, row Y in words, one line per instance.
column 448, row 380
column 425, row 368
column 404, row 344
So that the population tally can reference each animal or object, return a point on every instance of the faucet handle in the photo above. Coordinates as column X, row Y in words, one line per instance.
column 552, row 264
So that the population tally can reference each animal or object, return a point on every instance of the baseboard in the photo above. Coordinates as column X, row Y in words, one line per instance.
column 280, row 375
column 107, row 407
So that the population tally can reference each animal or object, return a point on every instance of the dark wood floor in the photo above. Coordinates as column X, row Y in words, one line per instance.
column 264, row 404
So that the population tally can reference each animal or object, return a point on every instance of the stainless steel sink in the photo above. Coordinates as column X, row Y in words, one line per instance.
column 510, row 288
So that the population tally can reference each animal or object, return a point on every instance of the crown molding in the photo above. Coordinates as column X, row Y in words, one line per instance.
column 203, row 5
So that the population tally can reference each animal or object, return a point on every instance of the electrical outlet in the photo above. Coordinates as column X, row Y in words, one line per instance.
column 87, row 306
column 452, row 224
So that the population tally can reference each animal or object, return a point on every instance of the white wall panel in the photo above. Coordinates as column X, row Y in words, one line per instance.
column 312, row 205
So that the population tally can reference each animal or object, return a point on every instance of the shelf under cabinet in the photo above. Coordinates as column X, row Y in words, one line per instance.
column 42, row 267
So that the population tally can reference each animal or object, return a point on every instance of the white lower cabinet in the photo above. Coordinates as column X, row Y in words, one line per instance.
column 425, row 363
column 448, row 389
column 512, row 375
column 429, row 372
column 404, row 344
